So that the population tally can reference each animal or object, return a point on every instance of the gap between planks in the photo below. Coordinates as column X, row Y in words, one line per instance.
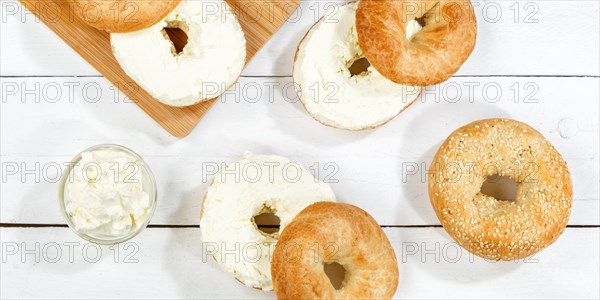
column 290, row 76
column 31, row 225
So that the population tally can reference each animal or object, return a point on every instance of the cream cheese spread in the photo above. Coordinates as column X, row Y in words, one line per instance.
column 105, row 194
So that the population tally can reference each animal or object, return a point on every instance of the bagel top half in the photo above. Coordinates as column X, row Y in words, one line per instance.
column 417, row 43
column 121, row 16
column 325, row 233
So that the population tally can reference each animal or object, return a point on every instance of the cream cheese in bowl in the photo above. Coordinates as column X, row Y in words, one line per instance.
column 108, row 194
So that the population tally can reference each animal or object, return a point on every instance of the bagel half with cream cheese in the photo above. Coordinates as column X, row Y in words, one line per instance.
column 210, row 63
column 327, row 88
column 243, row 190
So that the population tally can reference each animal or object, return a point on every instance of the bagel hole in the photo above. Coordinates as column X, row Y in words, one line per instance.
column 266, row 221
column 414, row 26
column 359, row 66
column 336, row 274
column 502, row 188
column 175, row 33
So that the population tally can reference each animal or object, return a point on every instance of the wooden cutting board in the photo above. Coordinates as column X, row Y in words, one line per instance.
column 259, row 20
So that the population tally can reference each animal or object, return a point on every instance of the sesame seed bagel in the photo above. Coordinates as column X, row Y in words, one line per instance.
column 416, row 43
column 122, row 15
column 498, row 229
column 327, row 232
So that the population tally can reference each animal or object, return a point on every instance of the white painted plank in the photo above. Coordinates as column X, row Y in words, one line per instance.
column 515, row 38
column 373, row 167
column 169, row 264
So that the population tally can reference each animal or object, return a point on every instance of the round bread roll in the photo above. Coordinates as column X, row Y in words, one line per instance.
column 330, row 92
column 210, row 63
column 499, row 229
column 255, row 185
column 325, row 233
column 416, row 42
column 122, row 15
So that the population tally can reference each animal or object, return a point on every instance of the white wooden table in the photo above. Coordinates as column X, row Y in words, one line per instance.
column 536, row 61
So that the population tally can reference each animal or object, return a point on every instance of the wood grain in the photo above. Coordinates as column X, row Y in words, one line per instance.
column 508, row 46
column 380, row 171
column 259, row 20
column 173, row 260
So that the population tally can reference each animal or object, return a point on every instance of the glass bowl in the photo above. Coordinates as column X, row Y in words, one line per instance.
column 149, row 185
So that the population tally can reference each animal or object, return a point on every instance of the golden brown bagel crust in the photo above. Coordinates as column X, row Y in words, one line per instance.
column 432, row 55
column 122, row 15
column 500, row 229
column 326, row 232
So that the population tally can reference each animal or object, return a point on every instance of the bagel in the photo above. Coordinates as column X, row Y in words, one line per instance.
column 498, row 229
column 416, row 42
column 254, row 185
column 210, row 63
column 327, row 232
column 330, row 92
column 122, row 15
